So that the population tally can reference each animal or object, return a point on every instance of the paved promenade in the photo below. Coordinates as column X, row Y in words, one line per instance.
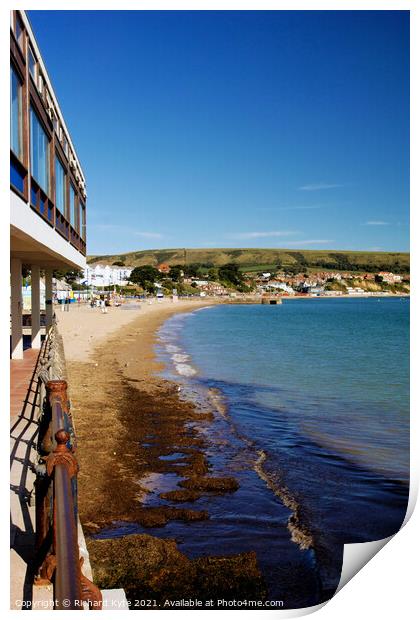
column 24, row 411
column 23, row 433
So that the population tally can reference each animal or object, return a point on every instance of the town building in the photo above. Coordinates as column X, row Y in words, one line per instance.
column 163, row 268
column 47, row 184
column 355, row 290
column 105, row 275
column 389, row 277
column 276, row 286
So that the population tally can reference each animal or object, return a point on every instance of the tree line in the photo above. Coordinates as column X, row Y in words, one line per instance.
column 146, row 276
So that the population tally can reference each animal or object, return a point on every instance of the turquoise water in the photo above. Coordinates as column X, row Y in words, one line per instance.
column 311, row 416
column 316, row 395
column 337, row 369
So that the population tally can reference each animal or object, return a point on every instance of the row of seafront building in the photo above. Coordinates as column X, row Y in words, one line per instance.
column 47, row 184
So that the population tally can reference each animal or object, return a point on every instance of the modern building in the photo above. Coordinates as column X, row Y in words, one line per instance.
column 47, row 184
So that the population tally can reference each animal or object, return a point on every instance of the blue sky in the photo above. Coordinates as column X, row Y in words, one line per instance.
column 236, row 129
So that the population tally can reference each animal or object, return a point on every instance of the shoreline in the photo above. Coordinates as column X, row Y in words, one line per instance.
column 257, row 300
column 129, row 422
column 123, row 371
column 143, row 452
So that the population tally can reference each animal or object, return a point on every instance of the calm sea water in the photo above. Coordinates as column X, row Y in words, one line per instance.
column 335, row 370
column 319, row 391
column 311, row 402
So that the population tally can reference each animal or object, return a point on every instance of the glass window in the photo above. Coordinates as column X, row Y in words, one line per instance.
column 17, row 176
column 34, row 195
column 19, row 31
column 15, row 114
column 83, row 228
column 40, row 160
column 32, row 62
column 60, row 187
column 74, row 219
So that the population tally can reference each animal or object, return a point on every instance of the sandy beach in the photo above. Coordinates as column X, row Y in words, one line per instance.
column 127, row 418
column 84, row 327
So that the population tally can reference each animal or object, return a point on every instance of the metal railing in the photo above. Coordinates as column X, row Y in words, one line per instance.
column 58, row 557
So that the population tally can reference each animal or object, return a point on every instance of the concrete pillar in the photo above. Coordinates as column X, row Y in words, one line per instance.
column 48, row 298
column 35, row 307
column 16, row 307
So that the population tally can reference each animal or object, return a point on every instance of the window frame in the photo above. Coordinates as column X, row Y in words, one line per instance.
column 20, row 155
column 33, row 111
column 72, row 206
column 35, row 64
column 58, row 160
column 19, row 32
column 82, row 232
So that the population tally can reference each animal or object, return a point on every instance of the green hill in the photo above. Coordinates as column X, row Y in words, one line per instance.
column 254, row 259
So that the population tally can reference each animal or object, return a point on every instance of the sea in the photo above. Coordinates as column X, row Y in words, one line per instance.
column 311, row 416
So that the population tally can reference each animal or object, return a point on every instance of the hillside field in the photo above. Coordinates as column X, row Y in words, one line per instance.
column 250, row 259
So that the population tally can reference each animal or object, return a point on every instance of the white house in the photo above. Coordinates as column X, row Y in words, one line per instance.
column 105, row 275
column 274, row 285
column 390, row 278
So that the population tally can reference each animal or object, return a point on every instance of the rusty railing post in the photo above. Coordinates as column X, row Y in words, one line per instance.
column 62, row 465
column 57, row 543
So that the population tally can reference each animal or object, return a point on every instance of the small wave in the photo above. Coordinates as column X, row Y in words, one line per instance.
column 299, row 532
column 185, row 370
column 171, row 348
column 202, row 308
column 216, row 399
column 180, row 357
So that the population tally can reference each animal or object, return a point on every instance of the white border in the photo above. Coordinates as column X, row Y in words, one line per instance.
column 387, row 586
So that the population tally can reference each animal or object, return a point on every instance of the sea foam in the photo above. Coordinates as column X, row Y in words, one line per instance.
column 180, row 357
column 185, row 370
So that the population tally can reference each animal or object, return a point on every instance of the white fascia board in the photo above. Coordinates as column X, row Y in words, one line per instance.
column 24, row 219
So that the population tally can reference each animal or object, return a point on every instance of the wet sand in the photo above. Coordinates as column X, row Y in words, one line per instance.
column 133, row 429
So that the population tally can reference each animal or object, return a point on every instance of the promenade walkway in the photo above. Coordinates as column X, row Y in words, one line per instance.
column 23, row 434
column 24, row 411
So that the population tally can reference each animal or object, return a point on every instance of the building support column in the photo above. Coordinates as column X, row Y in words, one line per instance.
column 16, row 308
column 35, row 307
column 48, row 298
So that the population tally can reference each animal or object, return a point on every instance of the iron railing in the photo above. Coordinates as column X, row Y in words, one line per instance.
column 58, row 557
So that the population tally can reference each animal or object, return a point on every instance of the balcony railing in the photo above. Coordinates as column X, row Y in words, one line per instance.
column 61, row 224
column 58, row 554
column 41, row 203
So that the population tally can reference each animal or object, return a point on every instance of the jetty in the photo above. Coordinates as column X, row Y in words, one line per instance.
column 271, row 301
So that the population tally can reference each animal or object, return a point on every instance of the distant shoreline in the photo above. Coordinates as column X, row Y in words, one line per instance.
column 258, row 300
column 381, row 295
